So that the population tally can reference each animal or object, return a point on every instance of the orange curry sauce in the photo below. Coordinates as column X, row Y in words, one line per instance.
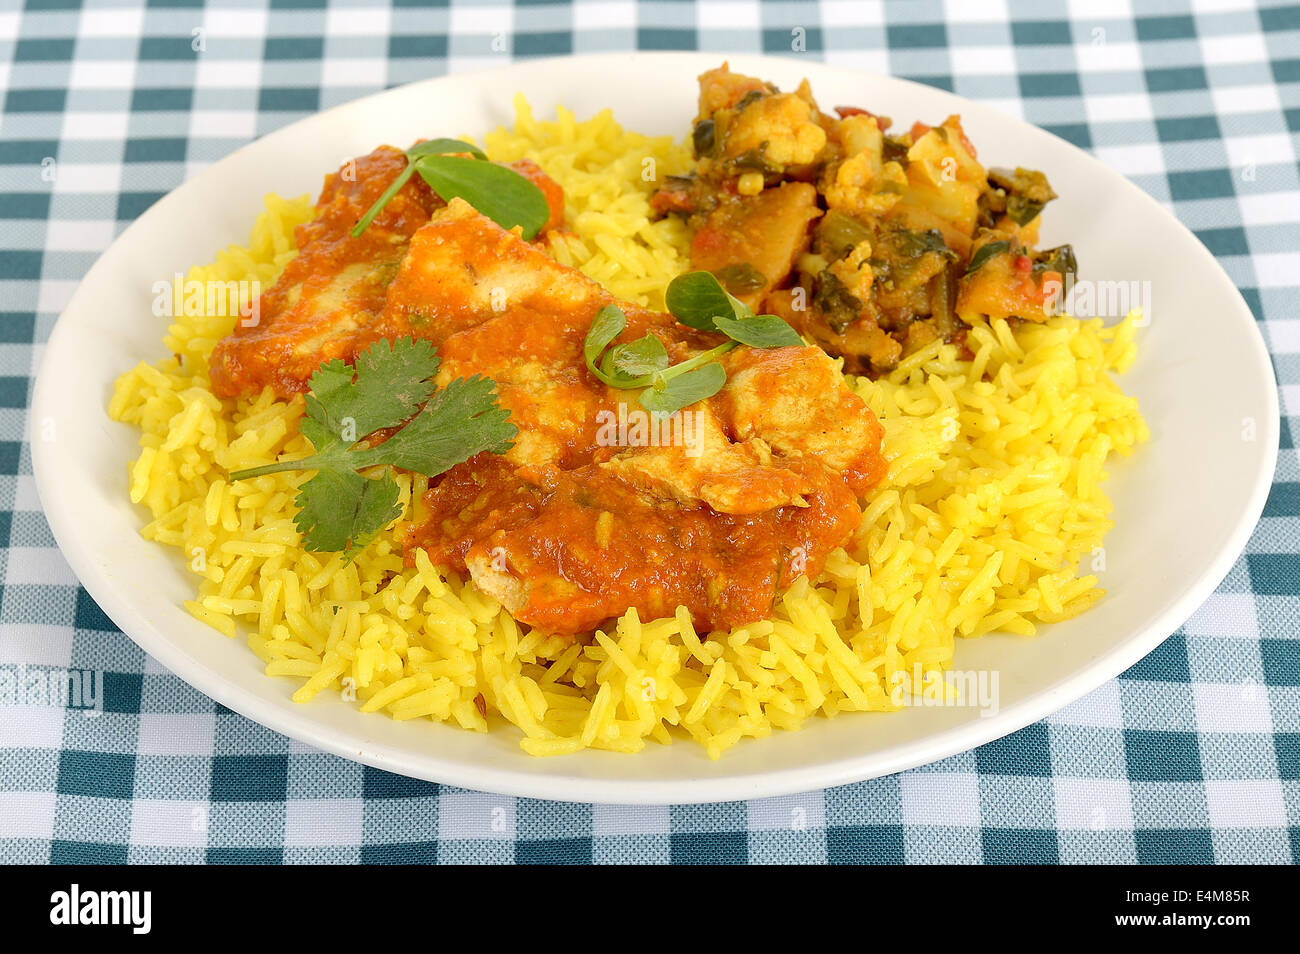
column 570, row 528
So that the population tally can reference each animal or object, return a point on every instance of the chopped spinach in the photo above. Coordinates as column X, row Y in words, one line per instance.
column 740, row 278
column 703, row 139
column 838, row 305
column 984, row 253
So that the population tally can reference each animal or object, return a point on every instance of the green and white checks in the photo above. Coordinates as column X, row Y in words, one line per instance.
column 1191, row 756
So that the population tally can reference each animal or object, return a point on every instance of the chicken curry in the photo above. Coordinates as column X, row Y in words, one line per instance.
column 566, row 528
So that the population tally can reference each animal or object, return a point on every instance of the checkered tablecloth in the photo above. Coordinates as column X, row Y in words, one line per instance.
column 1191, row 756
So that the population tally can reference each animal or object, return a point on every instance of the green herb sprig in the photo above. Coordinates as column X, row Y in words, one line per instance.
column 696, row 299
column 500, row 193
column 391, row 385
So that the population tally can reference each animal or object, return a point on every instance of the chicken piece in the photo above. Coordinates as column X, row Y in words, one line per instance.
column 464, row 270
column 707, row 467
column 495, row 305
column 752, row 242
column 794, row 400
column 567, row 530
column 598, row 546
column 336, row 286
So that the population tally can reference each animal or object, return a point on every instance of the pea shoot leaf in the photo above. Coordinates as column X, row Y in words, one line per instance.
column 442, row 147
column 759, row 331
column 696, row 299
column 699, row 299
column 685, row 389
column 499, row 192
column 636, row 358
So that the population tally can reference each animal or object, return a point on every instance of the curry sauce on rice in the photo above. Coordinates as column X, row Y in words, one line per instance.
column 399, row 481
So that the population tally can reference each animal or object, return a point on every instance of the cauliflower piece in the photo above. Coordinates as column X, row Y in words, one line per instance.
column 854, row 272
column 856, row 186
column 781, row 127
column 722, row 89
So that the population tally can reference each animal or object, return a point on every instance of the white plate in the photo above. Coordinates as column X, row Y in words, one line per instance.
column 1185, row 503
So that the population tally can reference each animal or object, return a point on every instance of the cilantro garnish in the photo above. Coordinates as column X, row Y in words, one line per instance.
column 390, row 386
column 500, row 193
column 696, row 299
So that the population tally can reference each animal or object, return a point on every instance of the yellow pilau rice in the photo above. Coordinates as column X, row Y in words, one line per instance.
column 992, row 501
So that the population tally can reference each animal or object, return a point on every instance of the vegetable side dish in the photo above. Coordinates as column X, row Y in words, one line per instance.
column 870, row 242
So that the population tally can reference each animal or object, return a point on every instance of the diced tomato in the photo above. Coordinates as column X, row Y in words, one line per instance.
column 551, row 189
column 672, row 200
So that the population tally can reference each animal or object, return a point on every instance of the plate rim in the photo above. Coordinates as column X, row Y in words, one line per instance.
column 297, row 722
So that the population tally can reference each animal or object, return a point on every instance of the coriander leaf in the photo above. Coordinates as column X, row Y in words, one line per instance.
column 759, row 331
column 500, row 193
column 395, row 377
column 384, row 388
column 684, row 389
column 379, row 505
column 636, row 358
column 329, row 386
column 325, row 436
column 341, row 511
column 460, row 420
column 696, row 298
column 440, row 147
